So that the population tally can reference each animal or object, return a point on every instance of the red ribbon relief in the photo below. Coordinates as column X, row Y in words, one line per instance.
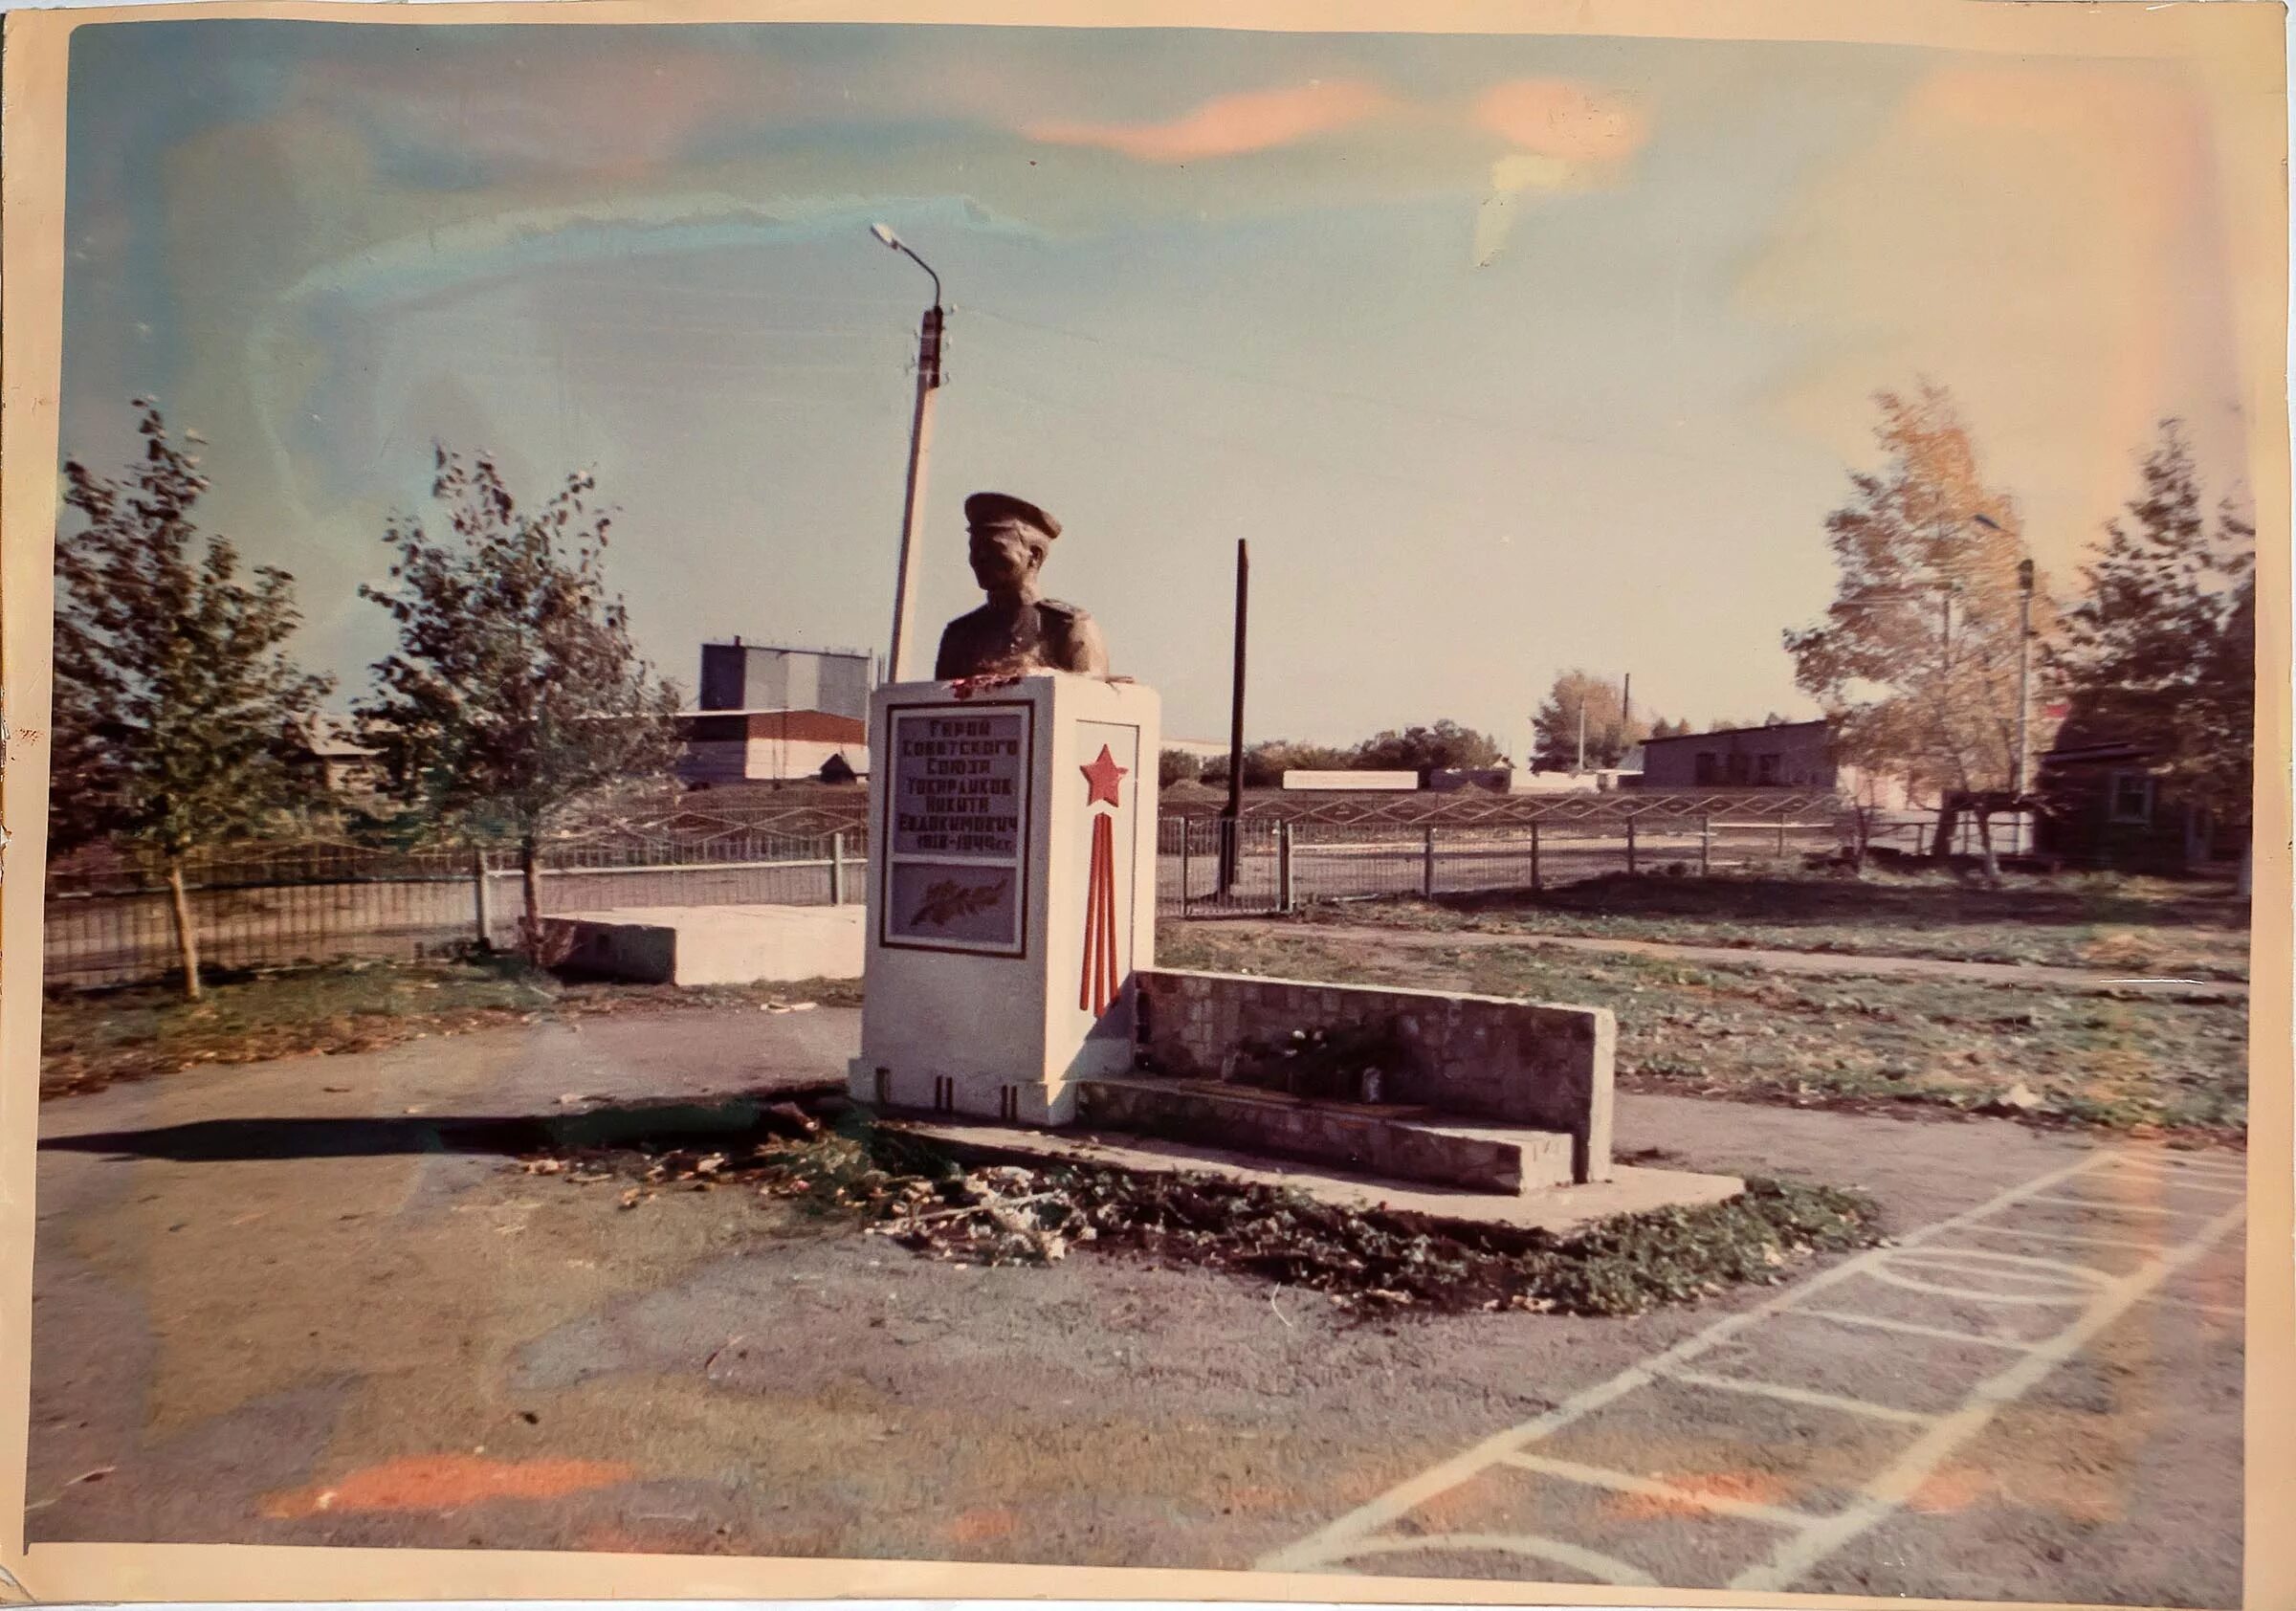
column 1097, row 987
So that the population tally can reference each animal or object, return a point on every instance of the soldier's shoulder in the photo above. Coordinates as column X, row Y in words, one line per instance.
column 1060, row 609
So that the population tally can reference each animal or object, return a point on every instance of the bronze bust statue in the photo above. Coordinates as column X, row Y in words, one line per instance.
column 1017, row 630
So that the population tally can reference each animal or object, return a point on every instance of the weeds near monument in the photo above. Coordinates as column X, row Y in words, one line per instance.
column 1369, row 1262
column 175, row 696
column 517, row 690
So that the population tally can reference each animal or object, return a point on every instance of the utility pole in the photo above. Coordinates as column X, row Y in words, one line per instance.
column 2024, row 693
column 1231, row 819
column 1625, row 717
column 1581, row 731
column 920, row 449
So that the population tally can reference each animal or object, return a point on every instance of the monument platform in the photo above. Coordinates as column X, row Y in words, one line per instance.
column 1391, row 1140
column 709, row 944
column 1557, row 1209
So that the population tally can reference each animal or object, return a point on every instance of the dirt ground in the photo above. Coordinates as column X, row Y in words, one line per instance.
column 274, row 1304
column 2191, row 928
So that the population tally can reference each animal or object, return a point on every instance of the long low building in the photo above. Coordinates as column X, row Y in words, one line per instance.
column 776, row 745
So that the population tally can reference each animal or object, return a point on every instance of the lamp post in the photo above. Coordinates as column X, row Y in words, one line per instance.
column 920, row 449
column 2024, row 692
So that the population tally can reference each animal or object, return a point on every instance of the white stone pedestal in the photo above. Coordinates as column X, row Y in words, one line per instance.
column 999, row 967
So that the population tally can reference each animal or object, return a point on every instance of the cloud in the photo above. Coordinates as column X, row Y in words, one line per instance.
column 1226, row 125
column 1569, row 138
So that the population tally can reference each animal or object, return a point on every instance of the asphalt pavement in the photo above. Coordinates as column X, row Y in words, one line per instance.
column 296, row 1302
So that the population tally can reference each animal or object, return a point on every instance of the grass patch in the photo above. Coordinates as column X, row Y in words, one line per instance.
column 2134, row 1063
column 2152, row 926
column 1366, row 1260
column 90, row 1039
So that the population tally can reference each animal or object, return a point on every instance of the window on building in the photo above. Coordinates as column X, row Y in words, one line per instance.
column 1766, row 769
column 1706, row 768
column 2132, row 798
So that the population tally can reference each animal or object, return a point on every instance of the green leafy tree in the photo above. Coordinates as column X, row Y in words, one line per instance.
column 2162, row 645
column 1178, row 766
column 1445, row 745
column 1611, row 730
column 515, row 694
column 176, row 699
column 1916, row 662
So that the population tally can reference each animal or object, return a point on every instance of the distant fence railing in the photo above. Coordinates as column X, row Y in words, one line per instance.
column 285, row 905
column 326, row 902
column 1277, row 866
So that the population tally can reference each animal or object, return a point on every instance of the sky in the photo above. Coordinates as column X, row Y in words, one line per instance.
column 1506, row 355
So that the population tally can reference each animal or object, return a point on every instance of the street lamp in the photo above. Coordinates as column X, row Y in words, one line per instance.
column 920, row 447
column 2024, row 690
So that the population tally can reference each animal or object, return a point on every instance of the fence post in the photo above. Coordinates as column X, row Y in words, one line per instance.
column 1535, row 884
column 1706, row 841
column 1187, row 838
column 836, row 870
column 1427, row 866
column 1781, row 836
column 1629, row 844
column 1283, row 866
column 483, row 906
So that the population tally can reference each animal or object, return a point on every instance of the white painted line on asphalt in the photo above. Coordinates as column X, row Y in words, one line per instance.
column 1665, row 1492
column 2191, row 1183
column 1593, row 1562
column 1940, row 1332
column 1352, row 1533
column 2178, row 1164
column 1801, row 1395
column 2108, row 1205
column 2066, row 1297
column 1897, row 1482
column 2153, row 1245
column 2214, row 1311
column 2066, row 1273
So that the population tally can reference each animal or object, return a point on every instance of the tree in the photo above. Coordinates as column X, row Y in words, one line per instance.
column 516, row 692
column 2163, row 643
column 175, row 696
column 1916, row 662
column 1178, row 766
column 1445, row 745
column 1556, row 726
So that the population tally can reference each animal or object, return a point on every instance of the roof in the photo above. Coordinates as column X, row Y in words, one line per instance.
column 786, row 648
column 1731, row 731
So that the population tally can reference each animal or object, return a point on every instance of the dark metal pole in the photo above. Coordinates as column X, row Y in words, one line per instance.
column 1232, row 817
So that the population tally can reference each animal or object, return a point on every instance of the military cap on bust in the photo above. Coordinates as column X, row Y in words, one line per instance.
column 999, row 509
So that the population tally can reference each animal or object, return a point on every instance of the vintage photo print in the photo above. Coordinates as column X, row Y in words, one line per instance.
column 1396, row 807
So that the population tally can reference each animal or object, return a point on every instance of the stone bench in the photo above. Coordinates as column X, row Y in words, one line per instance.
column 1492, row 1058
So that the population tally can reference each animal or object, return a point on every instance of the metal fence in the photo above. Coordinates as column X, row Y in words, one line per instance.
column 289, row 905
column 283, row 906
column 1282, row 866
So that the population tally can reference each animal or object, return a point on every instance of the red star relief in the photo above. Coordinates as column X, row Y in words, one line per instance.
column 1102, row 777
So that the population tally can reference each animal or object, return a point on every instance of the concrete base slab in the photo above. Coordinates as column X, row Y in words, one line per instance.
column 1559, row 1209
column 709, row 944
column 1391, row 1141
